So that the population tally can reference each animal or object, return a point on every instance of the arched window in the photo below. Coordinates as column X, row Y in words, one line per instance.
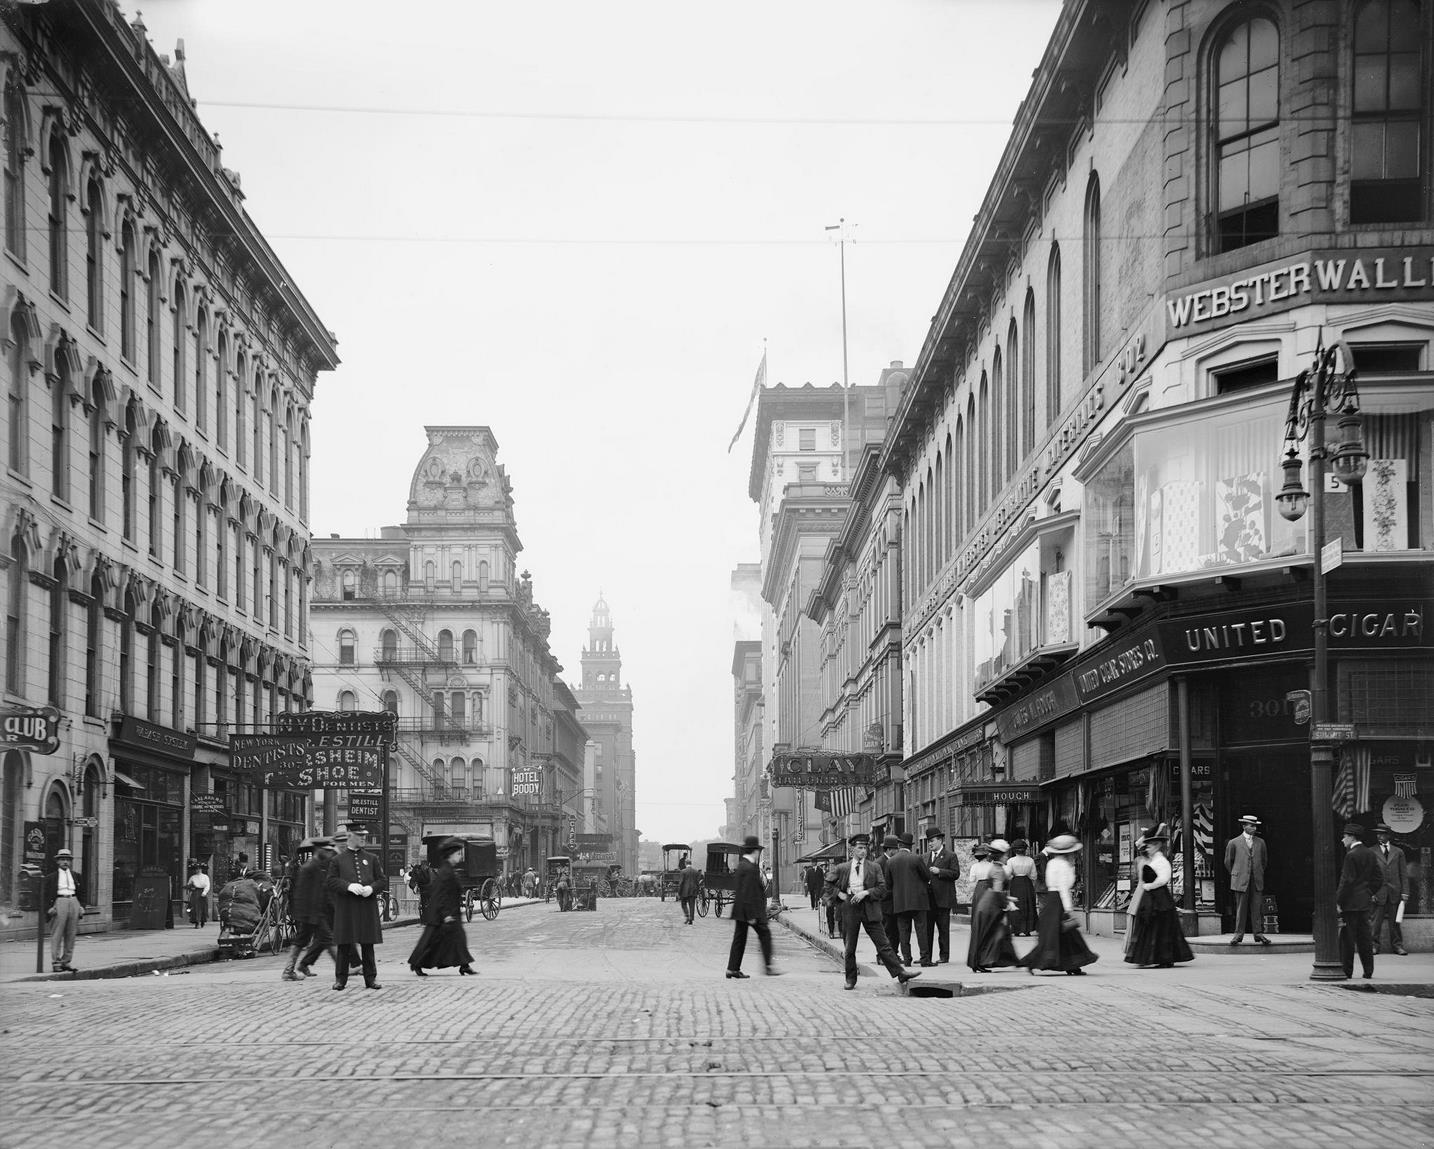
column 346, row 648
column 156, row 493
column 60, row 427
column 153, row 679
column 1091, row 278
column 257, row 404
column 388, row 643
column 181, row 496
column 482, row 577
column 289, row 463
column 126, row 652
column 1053, row 336
column 1391, row 94
column 348, row 701
column 180, row 323
column 152, row 328
column 94, row 256
column 349, row 584
column 973, row 448
column 1015, row 416
column 458, row 705
column 240, row 435
column 271, row 418
column 201, row 541
column 128, row 271
column 1247, row 134
column 960, row 500
column 14, row 185
column 17, row 446
column 59, row 604
column 15, row 616
column 390, row 701
column 430, row 576
column 201, row 371
column 97, row 451
column 938, row 543
column 221, row 391
column 445, row 645
column 129, row 452
column 59, row 194
column 470, row 647
column 1026, row 404
column 456, row 577
column 996, row 444
column 221, row 544
column 985, row 448
column 94, row 644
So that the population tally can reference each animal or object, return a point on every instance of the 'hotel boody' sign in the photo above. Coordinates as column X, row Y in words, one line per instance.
column 821, row 769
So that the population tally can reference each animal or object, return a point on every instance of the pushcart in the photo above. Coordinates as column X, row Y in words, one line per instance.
column 558, row 881
column 251, row 917
column 719, row 878
column 675, row 857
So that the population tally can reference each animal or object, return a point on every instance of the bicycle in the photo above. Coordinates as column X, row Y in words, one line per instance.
column 388, row 907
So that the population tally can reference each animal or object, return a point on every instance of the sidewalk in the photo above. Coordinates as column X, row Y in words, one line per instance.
column 138, row 953
column 1287, row 962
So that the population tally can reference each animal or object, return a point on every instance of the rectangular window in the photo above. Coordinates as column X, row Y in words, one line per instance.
column 1243, row 376
column 807, row 439
column 1385, row 136
column 1387, row 358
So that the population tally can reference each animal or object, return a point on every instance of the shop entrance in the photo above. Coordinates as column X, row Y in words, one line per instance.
column 1273, row 784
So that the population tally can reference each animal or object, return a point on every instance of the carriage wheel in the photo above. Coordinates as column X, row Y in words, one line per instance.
column 719, row 904
column 490, row 901
column 468, row 905
column 701, row 903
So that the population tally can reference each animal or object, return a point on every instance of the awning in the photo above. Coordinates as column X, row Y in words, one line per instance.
column 126, row 780
column 836, row 851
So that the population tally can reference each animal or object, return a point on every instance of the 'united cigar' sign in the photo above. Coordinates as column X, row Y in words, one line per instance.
column 821, row 769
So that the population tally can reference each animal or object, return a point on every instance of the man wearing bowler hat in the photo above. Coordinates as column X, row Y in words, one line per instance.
column 945, row 868
column 355, row 880
column 1359, row 878
column 859, row 885
column 910, row 899
column 1245, row 859
column 889, row 845
column 749, row 910
column 1392, row 894
column 64, row 902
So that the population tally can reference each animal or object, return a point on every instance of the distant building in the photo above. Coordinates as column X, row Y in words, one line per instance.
column 607, row 715
column 433, row 622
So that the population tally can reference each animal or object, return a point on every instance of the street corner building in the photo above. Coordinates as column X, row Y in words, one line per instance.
column 158, row 364
column 1108, row 585
column 435, row 623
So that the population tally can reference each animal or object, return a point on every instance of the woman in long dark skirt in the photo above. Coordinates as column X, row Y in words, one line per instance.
column 1022, row 887
column 1059, row 945
column 1156, row 937
column 990, row 944
column 443, row 942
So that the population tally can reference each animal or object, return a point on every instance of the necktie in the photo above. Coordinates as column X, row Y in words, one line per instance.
column 1386, row 852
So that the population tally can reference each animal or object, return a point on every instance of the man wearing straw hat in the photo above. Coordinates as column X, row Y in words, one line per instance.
column 1245, row 858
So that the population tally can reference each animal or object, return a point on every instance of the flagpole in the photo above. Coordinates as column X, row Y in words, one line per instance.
column 840, row 228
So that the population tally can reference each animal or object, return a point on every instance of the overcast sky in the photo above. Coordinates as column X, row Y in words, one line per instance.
column 576, row 223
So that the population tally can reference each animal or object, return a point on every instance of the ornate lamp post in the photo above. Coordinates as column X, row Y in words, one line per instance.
column 1328, row 385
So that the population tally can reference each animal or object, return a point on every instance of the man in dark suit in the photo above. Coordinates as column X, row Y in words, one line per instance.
column 859, row 885
column 355, row 880
column 1359, row 878
column 1392, row 894
column 889, row 845
column 944, row 868
column 310, row 908
column 749, row 910
column 1245, row 859
column 910, row 899
column 814, row 879
column 64, row 904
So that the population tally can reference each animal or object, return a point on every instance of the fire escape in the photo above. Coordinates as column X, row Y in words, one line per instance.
column 412, row 664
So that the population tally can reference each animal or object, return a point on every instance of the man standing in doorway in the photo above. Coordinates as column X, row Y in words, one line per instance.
column 65, row 904
column 1245, row 858
column 355, row 879
column 1393, row 894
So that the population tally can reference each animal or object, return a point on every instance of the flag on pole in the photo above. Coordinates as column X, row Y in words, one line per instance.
column 1342, row 799
column 757, row 384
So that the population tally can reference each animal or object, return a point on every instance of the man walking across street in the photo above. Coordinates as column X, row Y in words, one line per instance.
column 355, row 879
column 814, row 879
column 64, row 900
column 1359, row 878
column 944, row 868
column 1392, row 894
column 1245, row 859
column 310, row 910
column 889, row 845
column 910, row 899
column 858, row 885
column 689, row 881
column 749, row 910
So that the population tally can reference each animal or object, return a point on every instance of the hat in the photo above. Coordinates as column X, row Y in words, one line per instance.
column 999, row 846
column 934, row 832
column 751, row 842
column 859, row 840
column 356, row 827
column 449, row 844
column 1020, row 844
column 980, row 850
column 1063, row 844
column 1156, row 834
column 1382, row 829
column 906, row 839
column 1251, row 819
column 1353, row 830
column 341, row 836
column 891, row 842
column 63, row 853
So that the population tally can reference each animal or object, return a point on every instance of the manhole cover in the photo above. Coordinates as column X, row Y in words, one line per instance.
column 1398, row 990
column 957, row 989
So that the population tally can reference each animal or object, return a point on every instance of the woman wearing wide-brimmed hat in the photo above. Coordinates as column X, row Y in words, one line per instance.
column 1021, row 870
column 1156, row 937
column 1059, row 945
column 443, row 942
column 990, row 944
column 980, row 871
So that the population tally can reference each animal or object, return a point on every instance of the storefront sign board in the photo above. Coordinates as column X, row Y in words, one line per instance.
column 818, row 769
column 1403, row 815
column 33, row 728
column 160, row 739
column 206, row 803
column 332, row 768
column 1050, row 702
column 364, row 806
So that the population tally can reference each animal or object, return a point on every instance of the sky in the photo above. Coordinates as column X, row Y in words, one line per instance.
column 580, row 224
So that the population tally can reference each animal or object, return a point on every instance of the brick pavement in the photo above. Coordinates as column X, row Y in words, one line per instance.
column 611, row 1029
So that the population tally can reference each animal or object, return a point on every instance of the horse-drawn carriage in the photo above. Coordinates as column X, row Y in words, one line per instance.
column 478, row 873
column 675, row 856
column 719, row 877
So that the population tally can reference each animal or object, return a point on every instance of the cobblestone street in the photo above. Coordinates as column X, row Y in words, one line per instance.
column 618, row 1029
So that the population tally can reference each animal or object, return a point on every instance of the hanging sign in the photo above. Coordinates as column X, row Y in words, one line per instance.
column 34, row 728
column 821, row 769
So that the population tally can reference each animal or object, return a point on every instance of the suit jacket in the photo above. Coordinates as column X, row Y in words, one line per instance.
column 874, row 877
column 749, row 896
column 1359, row 878
column 910, row 883
column 944, row 872
column 310, row 896
column 887, row 896
column 1246, row 865
column 815, row 879
column 689, row 881
column 356, row 919
column 52, row 884
column 1396, row 875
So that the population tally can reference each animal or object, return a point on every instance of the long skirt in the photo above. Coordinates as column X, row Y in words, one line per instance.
column 1057, row 947
column 1022, row 919
column 990, row 944
column 441, row 946
column 1156, row 937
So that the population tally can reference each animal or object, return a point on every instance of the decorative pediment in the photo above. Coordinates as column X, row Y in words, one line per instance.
column 20, row 311
column 100, row 381
column 26, row 531
column 64, row 551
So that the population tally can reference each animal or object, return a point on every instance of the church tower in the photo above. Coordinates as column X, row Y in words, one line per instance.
column 602, row 661
column 607, row 716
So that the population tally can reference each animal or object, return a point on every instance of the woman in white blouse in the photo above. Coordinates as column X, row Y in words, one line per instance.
column 1156, row 937
column 1059, row 945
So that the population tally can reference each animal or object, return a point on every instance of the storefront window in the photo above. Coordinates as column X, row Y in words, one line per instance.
column 1109, row 521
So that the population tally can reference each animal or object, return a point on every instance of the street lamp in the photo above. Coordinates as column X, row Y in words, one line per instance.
column 1317, row 391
